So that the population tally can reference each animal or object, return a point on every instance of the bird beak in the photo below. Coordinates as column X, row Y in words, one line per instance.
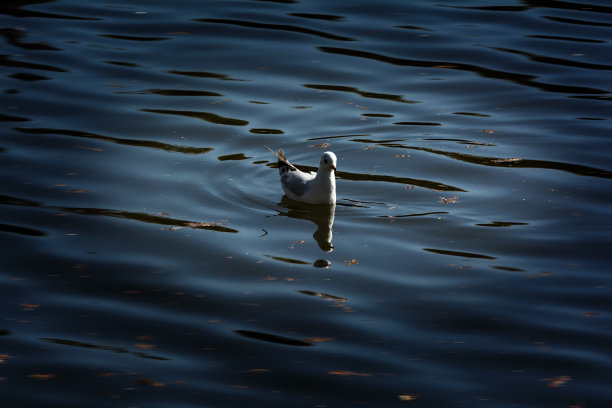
column 333, row 167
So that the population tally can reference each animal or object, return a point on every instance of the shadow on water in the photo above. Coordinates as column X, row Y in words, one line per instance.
column 321, row 215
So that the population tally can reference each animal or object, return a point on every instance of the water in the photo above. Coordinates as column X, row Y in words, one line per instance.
column 149, row 259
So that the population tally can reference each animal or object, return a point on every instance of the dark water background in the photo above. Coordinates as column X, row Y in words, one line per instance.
column 147, row 258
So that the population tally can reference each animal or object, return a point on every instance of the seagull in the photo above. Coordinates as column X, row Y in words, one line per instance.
column 309, row 188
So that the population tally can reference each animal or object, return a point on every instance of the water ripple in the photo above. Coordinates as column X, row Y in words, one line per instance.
column 204, row 74
column 574, row 21
column 206, row 116
column 506, row 162
column 115, row 349
column 132, row 37
column 562, row 38
column 122, row 141
column 459, row 254
column 16, row 229
column 16, row 10
column 171, row 92
column 365, row 94
column 272, row 338
column 15, row 37
column 11, row 118
column 523, row 79
column 325, row 17
column 8, row 62
column 554, row 60
column 170, row 223
column 532, row 4
column 281, row 27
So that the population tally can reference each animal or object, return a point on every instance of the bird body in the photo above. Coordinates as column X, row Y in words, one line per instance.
column 309, row 188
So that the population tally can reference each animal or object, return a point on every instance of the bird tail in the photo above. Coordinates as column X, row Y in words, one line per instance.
column 283, row 163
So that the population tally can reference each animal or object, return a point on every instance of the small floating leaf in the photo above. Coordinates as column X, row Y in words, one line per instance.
column 349, row 373
column 147, row 381
column 144, row 346
column 42, row 376
column 408, row 397
column 449, row 200
column 557, row 381
column 29, row 306
column 318, row 339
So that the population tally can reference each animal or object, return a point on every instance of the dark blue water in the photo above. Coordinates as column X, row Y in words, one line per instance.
column 149, row 259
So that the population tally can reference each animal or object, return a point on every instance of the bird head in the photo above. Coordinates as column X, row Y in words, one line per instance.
column 328, row 161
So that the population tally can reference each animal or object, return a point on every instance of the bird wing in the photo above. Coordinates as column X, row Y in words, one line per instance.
column 296, row 181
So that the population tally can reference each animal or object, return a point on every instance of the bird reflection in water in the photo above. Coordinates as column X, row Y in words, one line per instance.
column 321, row 215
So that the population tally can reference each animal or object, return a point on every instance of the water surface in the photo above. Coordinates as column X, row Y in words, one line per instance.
column 149, row 258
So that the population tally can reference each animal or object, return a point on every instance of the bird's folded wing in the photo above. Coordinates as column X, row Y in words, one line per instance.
column 296, row 182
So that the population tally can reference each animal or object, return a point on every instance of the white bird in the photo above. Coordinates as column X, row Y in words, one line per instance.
column 309, row 188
